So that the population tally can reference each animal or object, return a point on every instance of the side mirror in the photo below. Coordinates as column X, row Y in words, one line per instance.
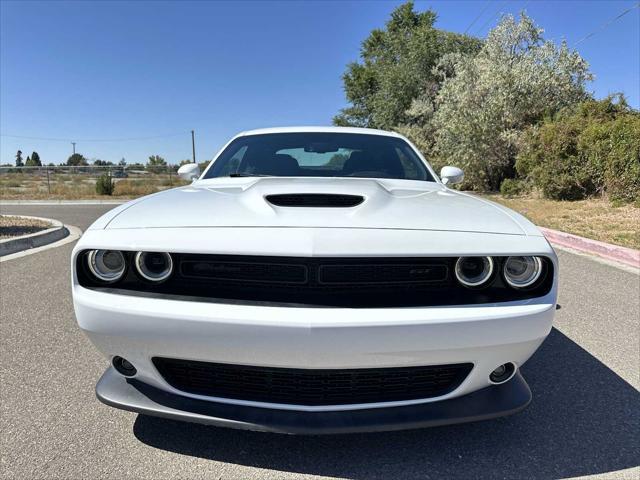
column 451, row 175
column 189, row 171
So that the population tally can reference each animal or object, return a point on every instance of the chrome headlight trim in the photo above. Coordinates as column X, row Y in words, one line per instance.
column 144, row 272
column 487, row 274
column 534, row 262
column 97, row 267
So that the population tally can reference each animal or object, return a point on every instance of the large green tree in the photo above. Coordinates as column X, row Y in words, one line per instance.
column 396, row 66
column 19, row 161
column 487, row 99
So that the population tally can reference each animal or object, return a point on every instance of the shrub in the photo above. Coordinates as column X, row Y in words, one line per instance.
column 622, row 171
column 562, row 187
column 588, row 150
column 510, row 187
column 105, row 185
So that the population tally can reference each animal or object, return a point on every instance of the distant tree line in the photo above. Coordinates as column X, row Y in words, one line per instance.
column 498, row 108
column 155, row 163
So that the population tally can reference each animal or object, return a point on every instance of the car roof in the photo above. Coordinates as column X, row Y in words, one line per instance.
column 311, row 129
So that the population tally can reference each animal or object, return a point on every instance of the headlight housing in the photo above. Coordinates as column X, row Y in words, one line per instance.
column 522, row 271
column 108, row 266
column 474, row 271
column 154, row 266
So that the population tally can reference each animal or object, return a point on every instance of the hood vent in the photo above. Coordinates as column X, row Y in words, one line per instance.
column 330, row 200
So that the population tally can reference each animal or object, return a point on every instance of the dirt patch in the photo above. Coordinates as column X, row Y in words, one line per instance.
column 11, row 226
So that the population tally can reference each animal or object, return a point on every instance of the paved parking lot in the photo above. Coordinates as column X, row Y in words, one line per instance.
column 584, row 418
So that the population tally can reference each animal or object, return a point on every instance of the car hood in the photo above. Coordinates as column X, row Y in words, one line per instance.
column 387, row 204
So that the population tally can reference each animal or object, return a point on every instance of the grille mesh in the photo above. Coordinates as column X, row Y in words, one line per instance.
column 311, row 387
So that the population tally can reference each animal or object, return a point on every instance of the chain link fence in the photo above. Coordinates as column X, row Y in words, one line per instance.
column 74, row 182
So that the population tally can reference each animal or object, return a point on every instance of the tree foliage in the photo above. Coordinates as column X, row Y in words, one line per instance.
column 486, row 100
column 102, row 163
column 589, row 149
column 19, row 162
column 156, row 161
column 396, row 66
column 156, row 164
column 77, row 160
column 34, row 160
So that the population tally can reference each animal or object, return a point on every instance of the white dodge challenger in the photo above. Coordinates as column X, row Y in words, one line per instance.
column 315, row 280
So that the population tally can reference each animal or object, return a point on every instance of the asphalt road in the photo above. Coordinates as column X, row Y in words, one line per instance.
column 584, row 418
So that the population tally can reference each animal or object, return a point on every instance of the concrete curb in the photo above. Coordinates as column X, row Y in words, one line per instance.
column 74, row 234
column 34, row 240
column 615, row 253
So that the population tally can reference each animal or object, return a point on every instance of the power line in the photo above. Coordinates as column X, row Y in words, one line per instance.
column 606, row 24
column 498, row 11
column 486, row 5
column 126, row 139
column 492, row 17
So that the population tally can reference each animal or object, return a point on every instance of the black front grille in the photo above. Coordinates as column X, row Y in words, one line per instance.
column 372, row 273
column 211, row 269
column 315, row 200
column 311, row 387
column 359, row 282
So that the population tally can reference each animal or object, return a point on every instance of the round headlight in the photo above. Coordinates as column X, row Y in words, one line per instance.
column 154, row 266
column 522, row 272
column 474, row 271
column 106, row 265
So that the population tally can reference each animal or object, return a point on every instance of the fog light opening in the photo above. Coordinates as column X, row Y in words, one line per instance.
column 124, row 367
column 503, row 373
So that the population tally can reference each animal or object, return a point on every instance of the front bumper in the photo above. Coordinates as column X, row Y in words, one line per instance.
column 139, row 329
column 490, row 402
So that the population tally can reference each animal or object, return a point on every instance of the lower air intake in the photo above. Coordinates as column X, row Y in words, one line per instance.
column 309, row 386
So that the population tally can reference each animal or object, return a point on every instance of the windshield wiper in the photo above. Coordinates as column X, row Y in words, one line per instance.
column 237, row 175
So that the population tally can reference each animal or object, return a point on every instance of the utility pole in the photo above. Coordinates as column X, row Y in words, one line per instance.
column 193, row 146
column 74, row 147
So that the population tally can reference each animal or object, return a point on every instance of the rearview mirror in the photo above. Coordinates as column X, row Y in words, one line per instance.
column 189, row 171
column 450, row 175
column 321, row 147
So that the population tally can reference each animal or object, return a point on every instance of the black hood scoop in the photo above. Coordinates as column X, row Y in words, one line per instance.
column 330, row 200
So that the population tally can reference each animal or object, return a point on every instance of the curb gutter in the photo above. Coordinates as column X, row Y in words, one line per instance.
column 12, row 245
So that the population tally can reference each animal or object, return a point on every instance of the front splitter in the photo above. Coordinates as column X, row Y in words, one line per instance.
column 490, row 402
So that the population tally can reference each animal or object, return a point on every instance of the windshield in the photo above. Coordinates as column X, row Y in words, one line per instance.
column 307, row 154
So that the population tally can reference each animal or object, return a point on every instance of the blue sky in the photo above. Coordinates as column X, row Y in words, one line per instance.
column 112, row 70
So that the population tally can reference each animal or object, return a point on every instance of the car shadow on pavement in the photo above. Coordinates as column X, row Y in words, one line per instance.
column 584, row 419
